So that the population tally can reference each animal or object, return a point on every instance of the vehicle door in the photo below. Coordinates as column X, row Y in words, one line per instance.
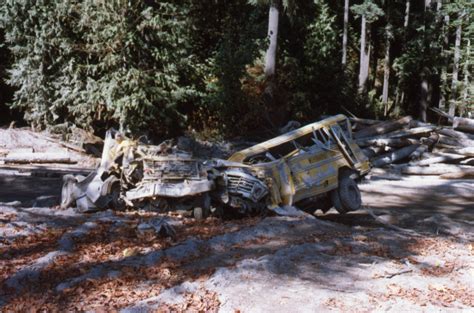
column 313, row 168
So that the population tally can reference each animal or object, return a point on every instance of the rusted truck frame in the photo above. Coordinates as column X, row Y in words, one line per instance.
column 317, row 163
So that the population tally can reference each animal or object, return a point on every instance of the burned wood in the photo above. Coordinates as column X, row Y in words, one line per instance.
column 383, row 128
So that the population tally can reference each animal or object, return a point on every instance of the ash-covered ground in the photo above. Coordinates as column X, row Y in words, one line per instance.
column 416, row 254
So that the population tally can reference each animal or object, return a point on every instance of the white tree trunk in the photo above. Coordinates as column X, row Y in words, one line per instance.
column 344, row 35
column 466, row 75
column 270, row 57
column 364, row 57
column 407, row 14
column 427, row 4
column 457, row 54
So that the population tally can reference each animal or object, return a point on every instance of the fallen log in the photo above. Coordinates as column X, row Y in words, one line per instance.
column 468, row 174
column 463, row 124
column 435, row 169
column 382, row 142
column 38, row 157
column 371, row 152
column 415, row 123
column 446, row 140
column 426, row 145
column 441, row 158
column 459, row 123
column 455, row 134
column 467, row 152
column 416, row 132
column 363, row 121
column 383, row 128
column 442, row 114
column 394, row 156
column 469, row 161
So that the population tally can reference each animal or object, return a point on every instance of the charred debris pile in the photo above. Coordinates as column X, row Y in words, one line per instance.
column 410, row 147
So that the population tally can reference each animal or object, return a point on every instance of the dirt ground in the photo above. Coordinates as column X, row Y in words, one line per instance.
column 417, row 255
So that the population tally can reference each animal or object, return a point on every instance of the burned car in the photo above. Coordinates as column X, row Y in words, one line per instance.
column 315, row 166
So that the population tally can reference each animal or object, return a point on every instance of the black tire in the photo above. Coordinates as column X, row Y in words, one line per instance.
column 116, row 203
column 336, row 202
column 349, row 194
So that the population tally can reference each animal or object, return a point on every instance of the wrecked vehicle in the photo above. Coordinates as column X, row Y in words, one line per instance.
column 136, row 175
column 314, row 167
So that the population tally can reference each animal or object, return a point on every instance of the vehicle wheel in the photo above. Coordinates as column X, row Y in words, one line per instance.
column 67, row 197
column 116, row 203
column 349, row 194
column 336, row 202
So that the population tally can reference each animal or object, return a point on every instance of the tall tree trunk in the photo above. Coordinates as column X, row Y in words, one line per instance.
column 425, row 93
column 364, row 57
column 466, row 75
column 270, row 56
column 425, row 72
column 344, row 35
column 386, row 72
column 407, row 15
column 457, row 54
column 427, row 4
column 386, row 65
column 399, row 93
column 444, row 68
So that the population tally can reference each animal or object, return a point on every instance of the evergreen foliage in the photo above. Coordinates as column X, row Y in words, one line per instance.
column 170, row 66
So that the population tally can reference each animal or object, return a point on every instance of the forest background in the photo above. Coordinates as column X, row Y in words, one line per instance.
column 230, row 67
